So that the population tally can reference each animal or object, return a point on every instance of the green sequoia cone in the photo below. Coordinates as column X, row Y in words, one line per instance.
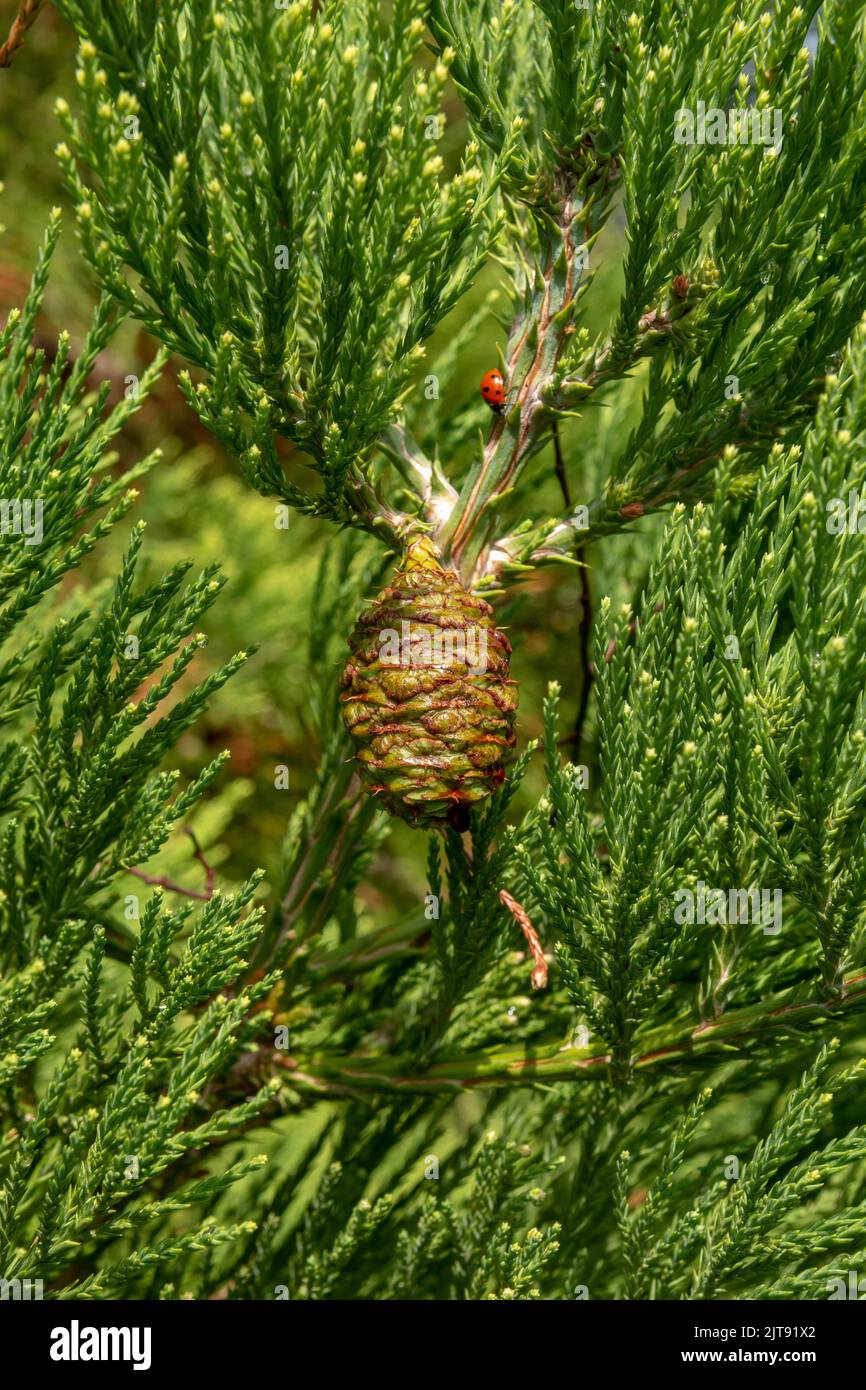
column 426, row 693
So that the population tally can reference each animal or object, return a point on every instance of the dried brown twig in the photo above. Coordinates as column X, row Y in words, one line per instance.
column 521, row 916
column 27, row 12
column 160, row 881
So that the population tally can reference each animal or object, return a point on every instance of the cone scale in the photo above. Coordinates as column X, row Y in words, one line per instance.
column 426, row 694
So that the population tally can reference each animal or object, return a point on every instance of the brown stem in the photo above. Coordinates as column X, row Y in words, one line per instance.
column 559, row 466
column 521, row 916
column 27, row 12
column 161, row 881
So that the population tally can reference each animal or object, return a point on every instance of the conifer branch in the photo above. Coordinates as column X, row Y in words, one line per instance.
column 736, row 1034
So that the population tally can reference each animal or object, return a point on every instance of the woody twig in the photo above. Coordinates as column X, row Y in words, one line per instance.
column 203, row 895
column 521, row 916
column 27, row 13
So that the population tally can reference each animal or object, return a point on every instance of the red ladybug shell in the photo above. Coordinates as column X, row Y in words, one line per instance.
column 493, row 389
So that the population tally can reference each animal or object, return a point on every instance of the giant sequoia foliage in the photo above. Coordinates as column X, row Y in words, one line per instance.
column 270, row 1094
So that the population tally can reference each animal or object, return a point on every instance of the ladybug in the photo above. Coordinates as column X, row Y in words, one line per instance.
column 493, row 390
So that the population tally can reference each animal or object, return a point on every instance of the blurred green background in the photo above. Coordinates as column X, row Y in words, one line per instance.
column 197, row 507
